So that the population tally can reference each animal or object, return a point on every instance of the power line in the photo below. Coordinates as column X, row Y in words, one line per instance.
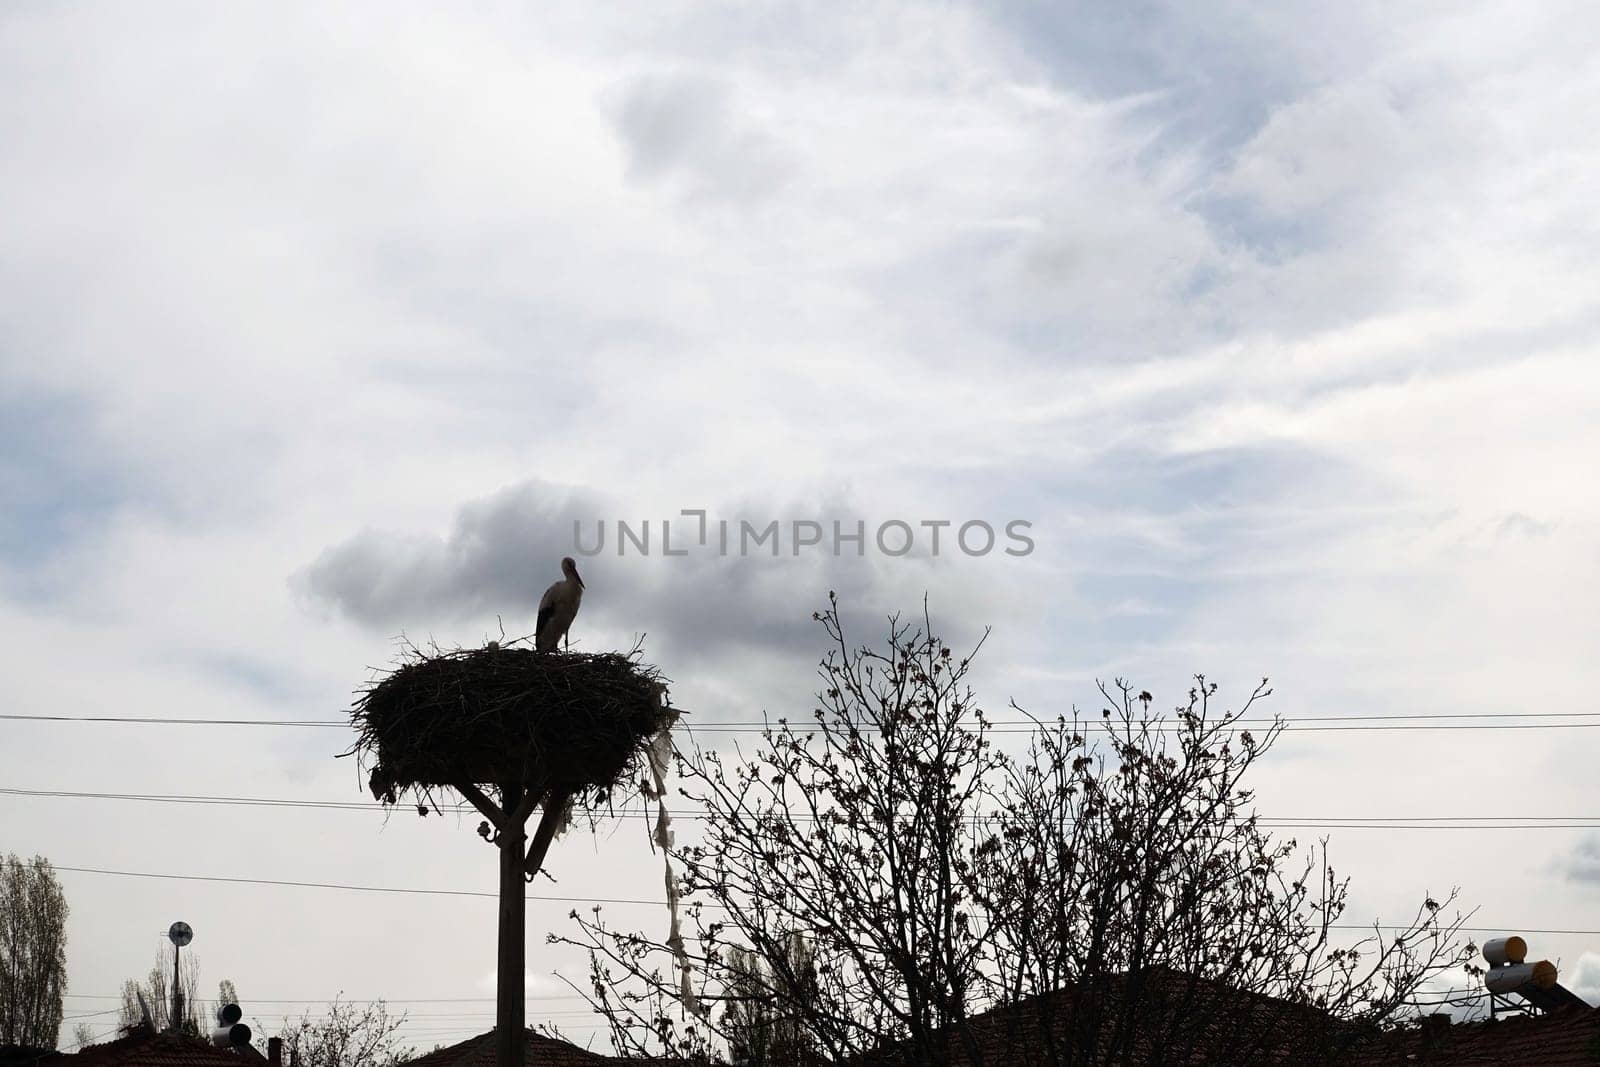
column 1274, row 825
column 1439, row 721
column 352, row 888
column 173, row 722
column 233, row 801
column 407, row 1014
column 627, row 900
column 342, row 999
column 1302, row 718
column 1331, row 822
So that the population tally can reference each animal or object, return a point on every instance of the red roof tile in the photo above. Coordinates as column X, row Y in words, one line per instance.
column 143, row 1048
column 1562, row 1038
column 1229, row 1026
column 538, row 1051
column 1169, row 1016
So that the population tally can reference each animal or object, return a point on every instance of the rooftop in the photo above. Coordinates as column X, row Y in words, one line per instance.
column 145, row 1048
column 1567, row 1037
column 538, row 1051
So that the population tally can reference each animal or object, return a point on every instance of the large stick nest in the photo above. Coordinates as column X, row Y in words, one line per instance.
column 572, row 721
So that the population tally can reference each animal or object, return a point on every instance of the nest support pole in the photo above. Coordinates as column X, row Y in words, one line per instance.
column 510, row 1012
column 510, row 819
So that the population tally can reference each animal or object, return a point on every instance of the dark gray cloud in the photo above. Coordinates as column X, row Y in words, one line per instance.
column 499, row 556
column 502, row 551
column 1582, row 865
column 689, row 127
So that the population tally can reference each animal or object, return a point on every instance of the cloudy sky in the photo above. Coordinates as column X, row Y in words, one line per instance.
column 318, row 329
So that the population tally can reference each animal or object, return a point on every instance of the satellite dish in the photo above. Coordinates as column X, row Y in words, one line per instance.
column 180, row 934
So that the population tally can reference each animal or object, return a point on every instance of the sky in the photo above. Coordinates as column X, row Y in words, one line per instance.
column 320, row 329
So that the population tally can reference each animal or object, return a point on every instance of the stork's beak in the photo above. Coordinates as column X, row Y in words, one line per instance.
column 578, row 576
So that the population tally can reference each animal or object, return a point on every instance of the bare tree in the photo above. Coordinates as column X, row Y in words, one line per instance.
column 82, row 1035
column 857, row 832
column 226, row 994
column 758, row 1031
column 1135, row 873
column 1102, row 893
column 154, row 995
column 347, row 1035
column 137, row 1008
column 33, row 952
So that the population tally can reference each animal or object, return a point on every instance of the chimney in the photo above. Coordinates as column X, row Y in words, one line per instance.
column 275, row 1052
column 1435, row 1027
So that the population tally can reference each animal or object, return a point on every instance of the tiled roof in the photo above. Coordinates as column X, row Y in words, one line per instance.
column 1239, row 1027
column 1173, row 1017
column 538, row 1051
column 1562, row 1038
column 143, row 1048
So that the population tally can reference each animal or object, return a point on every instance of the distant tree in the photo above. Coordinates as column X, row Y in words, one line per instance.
column 154, row 995
column 137, row 1009
column 156, row 991
column 226, row 994
column 1101, row 890
column 82, row 1035
column 347, row 1035
column 758, row 1031
column 33, row 952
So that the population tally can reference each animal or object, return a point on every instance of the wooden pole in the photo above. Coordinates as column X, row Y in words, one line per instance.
column 177, row 989
column 510, row 1017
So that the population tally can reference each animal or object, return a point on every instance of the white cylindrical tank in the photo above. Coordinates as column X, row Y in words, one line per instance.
column 1513, row 977
column 1503, row 950
column 234, row 1035
column 1508, row 979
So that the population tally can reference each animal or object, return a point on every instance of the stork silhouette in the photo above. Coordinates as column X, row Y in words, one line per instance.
column 558, row 607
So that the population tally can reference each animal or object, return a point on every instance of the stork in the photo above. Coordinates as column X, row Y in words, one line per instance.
column 558, row 607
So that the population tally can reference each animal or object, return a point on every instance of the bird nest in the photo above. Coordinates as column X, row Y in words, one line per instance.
column 569, row 721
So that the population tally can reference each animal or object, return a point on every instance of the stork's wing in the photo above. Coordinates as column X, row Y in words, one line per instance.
column 547, row 607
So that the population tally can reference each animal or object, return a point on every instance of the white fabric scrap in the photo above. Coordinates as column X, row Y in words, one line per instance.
column 660, row 756
column 566, row 821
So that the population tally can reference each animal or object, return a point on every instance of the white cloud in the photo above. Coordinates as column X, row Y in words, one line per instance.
column 1584, row 978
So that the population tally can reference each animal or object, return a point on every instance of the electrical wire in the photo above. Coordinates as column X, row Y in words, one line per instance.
column 1312, row 822
column 1440, row 721
column 287, row 883
column 632, row 900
